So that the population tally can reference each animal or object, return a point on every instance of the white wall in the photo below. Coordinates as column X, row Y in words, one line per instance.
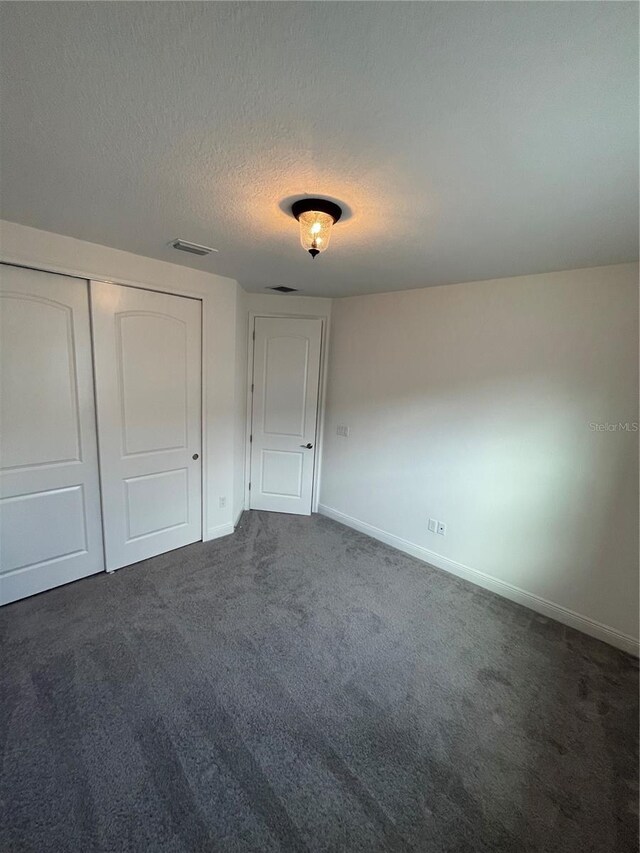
column 287, row 304
column 472, row 404
column 31, row 247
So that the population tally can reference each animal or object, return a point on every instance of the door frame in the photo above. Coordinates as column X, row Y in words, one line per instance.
column 322, row 390
column 206, row 305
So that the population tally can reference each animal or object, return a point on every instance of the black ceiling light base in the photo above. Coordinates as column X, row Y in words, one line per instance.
column 313, row 252
column 321, row 204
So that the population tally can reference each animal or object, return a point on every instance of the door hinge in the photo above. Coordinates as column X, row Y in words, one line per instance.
column 254, row 334
column 250, row 439
column 252, row 387
column 249, row 486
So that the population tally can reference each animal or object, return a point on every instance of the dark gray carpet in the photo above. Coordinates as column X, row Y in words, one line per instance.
column 299, row 686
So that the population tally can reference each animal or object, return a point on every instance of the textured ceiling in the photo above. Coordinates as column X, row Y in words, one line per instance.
column 468, row 140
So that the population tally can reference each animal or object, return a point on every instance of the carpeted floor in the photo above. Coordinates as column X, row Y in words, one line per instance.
column 299, row 686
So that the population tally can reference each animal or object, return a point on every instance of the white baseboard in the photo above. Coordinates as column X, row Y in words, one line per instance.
column 238, row 517
column 220, row 530
column 507, row 590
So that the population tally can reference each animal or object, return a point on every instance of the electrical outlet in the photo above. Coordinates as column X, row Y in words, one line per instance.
column 222, row 502
column 442, row 528
column 433, row 525
column 343, row 430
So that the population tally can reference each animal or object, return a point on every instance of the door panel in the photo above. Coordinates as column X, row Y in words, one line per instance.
column 38, row 342
column 156, row 502
column 285, row 385
column 50, row 530
column 282, row 473
column 55, row 521
column 152, row 362
column 285, row 404
column 148, row 383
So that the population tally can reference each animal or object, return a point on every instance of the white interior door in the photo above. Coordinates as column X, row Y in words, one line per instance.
column 50, row 531
column 148, row 366
column 286, row 376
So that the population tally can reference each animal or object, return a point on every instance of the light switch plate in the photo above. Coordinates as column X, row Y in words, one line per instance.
column 442, row 528
column 343, row 430
column 433, row 525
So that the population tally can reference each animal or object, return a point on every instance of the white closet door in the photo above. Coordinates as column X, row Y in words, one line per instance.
column 148, row 366
column 50, row 530
column 286, row 375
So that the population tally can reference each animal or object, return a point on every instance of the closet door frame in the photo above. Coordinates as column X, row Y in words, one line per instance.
column 208, row 533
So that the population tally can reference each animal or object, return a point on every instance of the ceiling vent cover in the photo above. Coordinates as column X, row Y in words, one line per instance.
column 283, row 289
column 192, row 248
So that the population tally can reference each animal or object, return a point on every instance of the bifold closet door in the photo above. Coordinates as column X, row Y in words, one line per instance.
column 148, row 365
column 50, row 530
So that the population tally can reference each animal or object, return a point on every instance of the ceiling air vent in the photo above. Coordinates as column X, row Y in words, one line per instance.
column 283, row 289
column 192, row 248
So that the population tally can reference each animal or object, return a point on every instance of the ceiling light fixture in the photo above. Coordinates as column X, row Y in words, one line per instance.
column 316, row 217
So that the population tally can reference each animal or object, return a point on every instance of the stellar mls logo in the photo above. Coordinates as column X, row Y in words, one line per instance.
column 626, row 426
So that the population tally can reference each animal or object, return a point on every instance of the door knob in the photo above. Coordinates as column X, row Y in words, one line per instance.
column 307, row 446
column 195, row 456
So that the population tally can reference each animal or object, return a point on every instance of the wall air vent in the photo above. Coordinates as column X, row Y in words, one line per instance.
column 283, row 289
column 192, row 248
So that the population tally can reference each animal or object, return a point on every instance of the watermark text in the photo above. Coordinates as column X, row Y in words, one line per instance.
column 620, row 426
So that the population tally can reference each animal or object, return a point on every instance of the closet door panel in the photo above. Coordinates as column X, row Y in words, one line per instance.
column 148, row 382
column 50, row 523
